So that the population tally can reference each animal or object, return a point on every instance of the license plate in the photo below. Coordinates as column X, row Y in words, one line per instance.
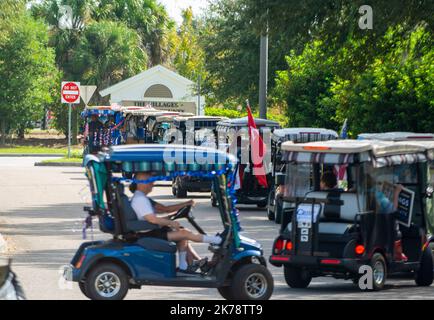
column 67, row 273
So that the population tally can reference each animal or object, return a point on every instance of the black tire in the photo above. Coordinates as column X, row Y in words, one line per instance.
column 249, row 273
column 425, row 276
column 82, row 287
column 214, row 201
column 114, row 272
column 173, row 189
column 226, row 292
column 378, row 261
column 262, row 205
column 271, row 203
column 181, row 193
column 297, row 278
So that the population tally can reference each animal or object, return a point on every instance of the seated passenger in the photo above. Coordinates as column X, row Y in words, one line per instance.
column 169, row 230
column 328, row 181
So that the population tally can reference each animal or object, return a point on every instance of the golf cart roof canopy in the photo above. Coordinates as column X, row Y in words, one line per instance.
column 303, row 135
column 397, row 136
column 165, row 158
column 243, row 122
column 138, row 110
column 200, row 118
column 382, row 153
column 165, row 118
column 99, row 111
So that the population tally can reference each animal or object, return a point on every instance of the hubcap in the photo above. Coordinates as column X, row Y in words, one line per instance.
column 378, row 272
column 107, row 284
column 256, row 285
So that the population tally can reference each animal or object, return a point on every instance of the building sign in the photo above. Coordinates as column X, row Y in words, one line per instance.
column 189, row 107
column 158, row 104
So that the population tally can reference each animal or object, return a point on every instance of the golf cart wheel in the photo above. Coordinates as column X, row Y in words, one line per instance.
column 82, row 287
column 424, row 276
column 181, row 193
column 262, row 205
column 252, row 282
column 213, row 201
column 271, row 203
column 297, row 277
column 379, row 271
column 226, row 292
column 107, row 281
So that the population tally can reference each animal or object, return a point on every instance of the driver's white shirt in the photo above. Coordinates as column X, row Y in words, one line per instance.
column 141, row 205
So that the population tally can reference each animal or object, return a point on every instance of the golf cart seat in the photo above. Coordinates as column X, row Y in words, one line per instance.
column 131, row 225
column 336, row 219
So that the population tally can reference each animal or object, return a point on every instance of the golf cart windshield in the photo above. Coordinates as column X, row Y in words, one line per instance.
column 305, row 177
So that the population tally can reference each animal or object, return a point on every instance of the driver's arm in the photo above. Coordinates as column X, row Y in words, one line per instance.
column 161, row 208
column 162, row 222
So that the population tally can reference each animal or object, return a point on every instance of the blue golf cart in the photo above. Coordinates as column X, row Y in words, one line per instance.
column 106, row 270
column 101, row 128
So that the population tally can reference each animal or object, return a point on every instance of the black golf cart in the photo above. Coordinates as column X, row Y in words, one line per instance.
column 233, row 136
column 198, row 131
column 375, row 219
column 279, row 136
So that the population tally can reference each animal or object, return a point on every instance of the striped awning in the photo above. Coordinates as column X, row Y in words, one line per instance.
column 348, row 158
column 326, row 158
column 304, row 137
column 399, row 159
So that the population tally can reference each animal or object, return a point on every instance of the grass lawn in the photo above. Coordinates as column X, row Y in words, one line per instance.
column 38, row 150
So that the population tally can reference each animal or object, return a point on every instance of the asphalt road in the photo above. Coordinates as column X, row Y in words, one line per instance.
column 41, row 217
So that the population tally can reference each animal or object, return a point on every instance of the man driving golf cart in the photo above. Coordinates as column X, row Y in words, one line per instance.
column 169, row 230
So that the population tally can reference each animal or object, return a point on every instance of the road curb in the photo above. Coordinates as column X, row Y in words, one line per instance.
column 57, row 164
column 12, row 155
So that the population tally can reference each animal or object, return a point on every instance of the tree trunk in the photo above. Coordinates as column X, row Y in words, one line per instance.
column 21, row 132
column 3, row 131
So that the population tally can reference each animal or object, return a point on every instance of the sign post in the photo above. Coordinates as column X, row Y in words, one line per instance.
column 70, row 94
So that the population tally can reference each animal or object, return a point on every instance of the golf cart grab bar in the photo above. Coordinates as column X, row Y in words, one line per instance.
column 313, row 200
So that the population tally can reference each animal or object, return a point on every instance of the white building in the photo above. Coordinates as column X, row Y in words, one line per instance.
column 159, row 87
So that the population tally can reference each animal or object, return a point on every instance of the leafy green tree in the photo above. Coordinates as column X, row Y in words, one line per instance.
column 107, row 53
column 189, row 57
column 396, row 92
column 148, row 18
column 28, row 71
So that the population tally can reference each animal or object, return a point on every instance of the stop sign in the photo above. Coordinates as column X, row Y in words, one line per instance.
column 70, row 92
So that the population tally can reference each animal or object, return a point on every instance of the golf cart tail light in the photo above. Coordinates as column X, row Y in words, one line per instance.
column 331, row 261
column 360, row 249
column 288, row 245
column 316, row 148
column 80, row 262
column 278, row 246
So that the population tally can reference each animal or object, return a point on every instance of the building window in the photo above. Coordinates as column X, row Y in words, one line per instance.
column 158, row 91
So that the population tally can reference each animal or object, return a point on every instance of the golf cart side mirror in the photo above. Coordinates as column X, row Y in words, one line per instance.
column 429, row 192
column 280, row 179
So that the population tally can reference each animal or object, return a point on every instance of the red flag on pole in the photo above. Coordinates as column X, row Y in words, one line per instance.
column 258, row 149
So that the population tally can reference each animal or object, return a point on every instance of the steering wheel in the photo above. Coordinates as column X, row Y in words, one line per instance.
column 182, row 213
column 186, row 213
